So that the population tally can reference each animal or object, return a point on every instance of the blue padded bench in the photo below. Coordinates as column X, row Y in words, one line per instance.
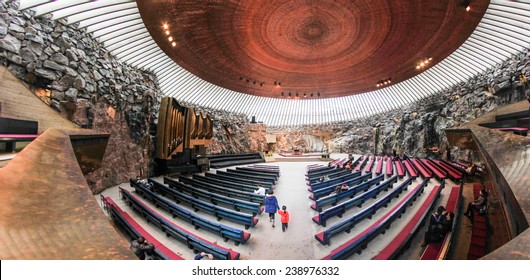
column 401, row 241
column 334, row 173
column 194, row 242
column 349, row 223
column 358, row 201
column 361, row 240
column 239, row 236
column 213, row 198
column 240, row 175
column 333, row 198
column 248, row 196
column 328, row 190
column 334, row 181
column 197, row 204
column 233, row 179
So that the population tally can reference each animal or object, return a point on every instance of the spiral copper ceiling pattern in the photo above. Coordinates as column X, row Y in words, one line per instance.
column 335, row 47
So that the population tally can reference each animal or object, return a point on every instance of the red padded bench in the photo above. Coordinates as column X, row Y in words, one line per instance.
column 360, row 166
column 370, row 165
column 477, row 248
column 452, row 172
column 438, row 173
column 392, row 250
column 390, row 168
column 438, row 251
column 159, row 246
column 410, row 169
column 379, row 167
column 424, row 172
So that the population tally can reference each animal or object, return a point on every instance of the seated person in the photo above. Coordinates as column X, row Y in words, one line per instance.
column 480, row 202
column 336, row 191
column 344, row 187
column 261, row 190
column 326, row 178
column 201, row 255
column 440, row 223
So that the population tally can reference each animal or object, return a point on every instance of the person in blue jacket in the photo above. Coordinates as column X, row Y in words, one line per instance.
column 271, row 206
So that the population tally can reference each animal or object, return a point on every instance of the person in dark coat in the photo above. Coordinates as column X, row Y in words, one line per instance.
column 440, row 223
column 271, row 206
column 140, row 246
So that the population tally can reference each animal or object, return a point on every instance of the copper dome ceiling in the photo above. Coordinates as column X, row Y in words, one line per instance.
column 334, row 48
column 503, row 31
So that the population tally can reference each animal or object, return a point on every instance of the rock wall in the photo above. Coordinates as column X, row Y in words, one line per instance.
column 418, row 129
column 86, row 84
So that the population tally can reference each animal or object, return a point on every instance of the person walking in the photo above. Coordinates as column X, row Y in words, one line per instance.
column 271, row 206
column 284, row 217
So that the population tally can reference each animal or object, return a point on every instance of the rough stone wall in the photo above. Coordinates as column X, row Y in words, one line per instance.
column 421, row 125
column 88, row 86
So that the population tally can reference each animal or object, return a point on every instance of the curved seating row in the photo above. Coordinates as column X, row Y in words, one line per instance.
column 239, row 236
column 134, row 230
column 334, row 181
column 400, row 170
column 328, row 190
column 347, row 224
column 423, row 171
column 197, row 204
column 257, row 173
column 361, row 240
column 379, row 167
column 204, row 195
column 370, row 165
column 363, row 163
column 259, row 179
column 452, row 172
column 228, row 184
column 334, row 173
column 225, row 160
column 439, row 250
column 261, row 170
column 358, row 201
column 334, row 198
column 402, row 240
column 390, row 168
column 232, row 178
column 192, row 241
column 213, row 187
column 436, row 171
column 319, row 171
column 411, row 170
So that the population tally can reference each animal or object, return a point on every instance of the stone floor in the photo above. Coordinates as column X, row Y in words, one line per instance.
column 298, row 241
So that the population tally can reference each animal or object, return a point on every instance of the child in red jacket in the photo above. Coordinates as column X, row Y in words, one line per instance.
column 284, row 217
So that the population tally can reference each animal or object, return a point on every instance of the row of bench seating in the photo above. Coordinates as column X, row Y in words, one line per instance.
column 403, row 239
column 361, row 240
column 364, row 160
column 263, row 170
column 204, row 195
column 196, row 243
column 379, row 167
column 439, row 250
column 437, row 172
column 400, row 170
column 337, row 180
column 230, row 184
column 452, row 172
column 237, row 179
column 261, row 178
column 197, row 204
column 358, row 201
column 328, row 190
column 423, row 171
column 226, row 160
column 331, row 174
column 199, row 182
column 389, row 167
column 334, row 198
column 370, row 164
column 347, row 224
column 239, row 236
column 127, row 224
column 411, row 170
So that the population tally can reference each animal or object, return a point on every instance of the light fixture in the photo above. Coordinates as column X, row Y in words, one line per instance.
column 165, row 26
column 423, row 63
column 167, row 32
column 170, row 38
column 174, row 44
